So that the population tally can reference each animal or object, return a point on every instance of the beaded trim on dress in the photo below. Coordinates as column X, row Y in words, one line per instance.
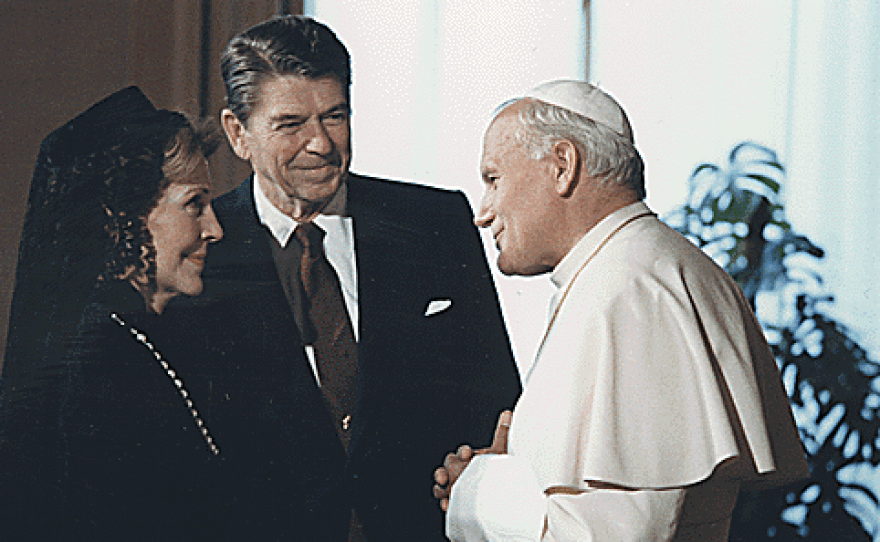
column 178, row 383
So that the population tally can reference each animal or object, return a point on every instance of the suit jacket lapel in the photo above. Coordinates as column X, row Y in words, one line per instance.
column 389, row 253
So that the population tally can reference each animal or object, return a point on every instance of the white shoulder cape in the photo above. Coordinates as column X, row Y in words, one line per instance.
column 653, row 370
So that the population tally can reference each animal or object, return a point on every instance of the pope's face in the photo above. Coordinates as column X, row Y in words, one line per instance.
column 298, row 138
column 515, row 202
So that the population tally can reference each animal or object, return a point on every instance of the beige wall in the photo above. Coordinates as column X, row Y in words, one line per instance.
column 64, row 55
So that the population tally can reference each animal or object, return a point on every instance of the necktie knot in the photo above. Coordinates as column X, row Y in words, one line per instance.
column 312, row 238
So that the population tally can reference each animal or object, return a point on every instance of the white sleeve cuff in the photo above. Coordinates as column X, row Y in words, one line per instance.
column 497, row 497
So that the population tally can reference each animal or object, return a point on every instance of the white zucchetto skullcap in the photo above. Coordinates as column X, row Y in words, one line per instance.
column 584, row 99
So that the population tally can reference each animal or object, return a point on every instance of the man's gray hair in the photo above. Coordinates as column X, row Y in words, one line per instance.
column 609, row 158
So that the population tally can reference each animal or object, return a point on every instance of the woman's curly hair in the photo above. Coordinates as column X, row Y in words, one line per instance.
column 135, row 177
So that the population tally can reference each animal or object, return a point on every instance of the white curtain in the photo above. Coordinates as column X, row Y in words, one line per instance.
column 428, row 75
column 833, row 151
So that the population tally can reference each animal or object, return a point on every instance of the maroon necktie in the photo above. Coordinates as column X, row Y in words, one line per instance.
column 328, row 329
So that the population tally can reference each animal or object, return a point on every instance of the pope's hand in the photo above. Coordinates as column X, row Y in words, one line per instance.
column 455, row 463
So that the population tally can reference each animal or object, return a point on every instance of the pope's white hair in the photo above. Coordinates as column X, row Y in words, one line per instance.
column 609, row 158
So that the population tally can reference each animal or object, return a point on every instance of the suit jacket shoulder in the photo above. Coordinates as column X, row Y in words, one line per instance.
column 242, row 242
column 419, row 224
column 405, row 200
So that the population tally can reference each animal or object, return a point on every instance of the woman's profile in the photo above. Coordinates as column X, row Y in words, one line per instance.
column 104, row 432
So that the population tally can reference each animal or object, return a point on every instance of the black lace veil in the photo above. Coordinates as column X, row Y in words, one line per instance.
column 95, row 179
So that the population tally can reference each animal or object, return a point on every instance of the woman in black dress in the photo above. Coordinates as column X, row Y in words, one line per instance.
column 105, row 428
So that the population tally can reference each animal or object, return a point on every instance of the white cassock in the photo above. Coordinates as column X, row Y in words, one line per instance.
column 653, row 375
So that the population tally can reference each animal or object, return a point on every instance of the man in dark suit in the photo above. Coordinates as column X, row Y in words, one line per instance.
column 419, row 340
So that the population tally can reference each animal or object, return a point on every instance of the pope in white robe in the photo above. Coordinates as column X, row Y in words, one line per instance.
column 653, row 397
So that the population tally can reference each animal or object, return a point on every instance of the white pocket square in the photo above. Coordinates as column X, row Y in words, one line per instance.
column 437, row 305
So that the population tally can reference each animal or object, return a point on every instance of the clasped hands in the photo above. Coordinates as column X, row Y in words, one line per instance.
column 455, row 463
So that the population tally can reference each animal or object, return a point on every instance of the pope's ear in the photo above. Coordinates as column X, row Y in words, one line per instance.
column 566, row 166
column 235, row 133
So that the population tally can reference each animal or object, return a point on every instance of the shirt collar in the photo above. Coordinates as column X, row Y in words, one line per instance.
column 282, row 226
column 592, row 241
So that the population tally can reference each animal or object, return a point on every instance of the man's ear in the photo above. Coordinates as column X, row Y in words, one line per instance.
column 235, row 133
column 566, row 166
